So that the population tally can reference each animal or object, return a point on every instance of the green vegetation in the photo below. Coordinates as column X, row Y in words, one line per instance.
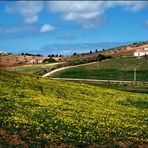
column 50, row 60
column 36, row 111
column 34, row 69
column 40, row 69
column 113, row 69
column 129, row 87
column 2, row 55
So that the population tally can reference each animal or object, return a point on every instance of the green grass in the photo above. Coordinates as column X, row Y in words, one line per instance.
column 39, row 111
column 114, row 69
column 34, row 69
column 2, row 55
column 129, row 87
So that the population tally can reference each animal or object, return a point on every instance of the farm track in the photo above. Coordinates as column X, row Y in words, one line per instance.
column 63, row 68
column 96, row 80
column 86, row 80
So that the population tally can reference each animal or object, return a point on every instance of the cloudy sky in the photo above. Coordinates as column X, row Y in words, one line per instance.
column 63, row 27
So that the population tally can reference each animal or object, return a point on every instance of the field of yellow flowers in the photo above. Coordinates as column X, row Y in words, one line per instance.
column 36, row 111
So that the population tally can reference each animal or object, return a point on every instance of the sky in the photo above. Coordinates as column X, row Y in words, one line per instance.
column 65, row 27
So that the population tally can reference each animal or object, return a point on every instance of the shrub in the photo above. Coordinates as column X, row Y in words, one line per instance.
column 50, row 60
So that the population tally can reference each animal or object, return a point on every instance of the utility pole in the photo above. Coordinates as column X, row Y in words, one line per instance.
column 134, row 73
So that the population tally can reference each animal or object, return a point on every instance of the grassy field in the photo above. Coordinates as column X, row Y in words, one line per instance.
column 37, row 112
column 34, row 69
column 129, row 87
column 114, row 69
column 2, row 55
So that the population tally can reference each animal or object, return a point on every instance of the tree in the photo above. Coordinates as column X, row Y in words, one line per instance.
column 100, row 57
column 39, row 55
column 74, row 54
column 134, row 43
column 50, row 60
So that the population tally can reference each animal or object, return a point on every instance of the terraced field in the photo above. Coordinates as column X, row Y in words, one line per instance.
column 38, row 112
column 114, row 69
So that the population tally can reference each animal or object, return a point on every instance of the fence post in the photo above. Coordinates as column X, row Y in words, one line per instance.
column 134, row 73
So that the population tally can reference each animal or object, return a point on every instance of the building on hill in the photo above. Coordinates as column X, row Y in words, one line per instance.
column 36, row 61
column 141, row 52
column 146, row 49
column 3, row 53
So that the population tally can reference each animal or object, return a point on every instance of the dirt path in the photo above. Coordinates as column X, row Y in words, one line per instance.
column 63, row 68
column 89, row 80
column 96, row 80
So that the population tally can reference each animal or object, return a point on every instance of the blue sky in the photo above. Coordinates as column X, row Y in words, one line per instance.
column 64, row 27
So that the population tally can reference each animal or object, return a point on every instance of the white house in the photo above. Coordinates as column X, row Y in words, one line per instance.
column 36, row 61
column 146, row 49
column 33, row 61
column 3, row 53
column 140, row 53
column 40, row 61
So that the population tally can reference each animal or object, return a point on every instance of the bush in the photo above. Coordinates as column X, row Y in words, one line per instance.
column 50, row 60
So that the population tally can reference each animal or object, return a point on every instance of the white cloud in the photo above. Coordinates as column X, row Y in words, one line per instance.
column 88, row 14
column 75, row 6
column 31, row 19
column 92, row 13
column 28, row 9
column 47, row 28
column 83, row 15
column 94, row 22
column 137, row 6
column 25, row 30
column 18, row 31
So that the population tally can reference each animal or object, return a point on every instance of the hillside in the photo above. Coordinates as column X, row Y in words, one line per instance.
column 15, row 60
column 21, row 60
column 35, row 69
column 126, row 50
column 111, row 69
column 37, row 112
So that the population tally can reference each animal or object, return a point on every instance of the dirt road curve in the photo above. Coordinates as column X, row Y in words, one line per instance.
column 63, row 68
column 91, row 80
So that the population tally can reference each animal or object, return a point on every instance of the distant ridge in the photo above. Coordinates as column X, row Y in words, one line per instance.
column 124, row 50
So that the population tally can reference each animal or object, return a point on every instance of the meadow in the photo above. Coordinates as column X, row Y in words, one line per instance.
column 129, row 87
column 34, row 69
column 37, row 112
column 110, row 69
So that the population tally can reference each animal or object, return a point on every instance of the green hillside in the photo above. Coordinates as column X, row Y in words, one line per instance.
column 36, row 69
column 113, row 69
column 36, row 111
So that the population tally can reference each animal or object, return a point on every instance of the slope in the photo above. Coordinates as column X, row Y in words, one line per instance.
column 113, row 69
column 38, row 112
